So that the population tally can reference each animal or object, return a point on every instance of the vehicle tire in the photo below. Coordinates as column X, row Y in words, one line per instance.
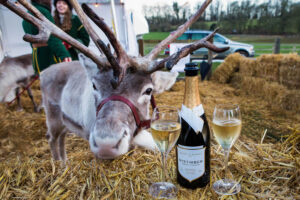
column 243, row 53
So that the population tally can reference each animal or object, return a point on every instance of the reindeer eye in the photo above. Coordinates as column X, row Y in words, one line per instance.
column 94, row 86
column 148, row 91
column 130, row 70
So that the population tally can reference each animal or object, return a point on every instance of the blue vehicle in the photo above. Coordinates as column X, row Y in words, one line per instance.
column 244, row 49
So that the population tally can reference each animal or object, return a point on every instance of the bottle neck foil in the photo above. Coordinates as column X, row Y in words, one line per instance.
column 191, row 92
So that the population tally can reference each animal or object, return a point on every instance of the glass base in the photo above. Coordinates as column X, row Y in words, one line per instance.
column 163, row 190
column 226, row 187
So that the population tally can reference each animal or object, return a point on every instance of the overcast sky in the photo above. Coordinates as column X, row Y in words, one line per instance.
column 138, row 4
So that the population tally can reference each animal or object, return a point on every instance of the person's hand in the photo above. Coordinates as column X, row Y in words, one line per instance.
column 67, row 45
column 67, row 59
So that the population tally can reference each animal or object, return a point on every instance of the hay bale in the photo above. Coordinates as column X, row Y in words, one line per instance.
column 290, row 101
column 248, row 85
column 268, row 66
column 289, row 71
column 248, row 66
column 224, row 72
column 277, row 95
column 274, row 78
column 281, row 68
column 290, row 77
column 290, row 68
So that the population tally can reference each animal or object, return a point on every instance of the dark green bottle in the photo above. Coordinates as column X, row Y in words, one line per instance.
column 193, row 145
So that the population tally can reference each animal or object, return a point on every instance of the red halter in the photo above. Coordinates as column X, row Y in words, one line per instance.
column 140, row 124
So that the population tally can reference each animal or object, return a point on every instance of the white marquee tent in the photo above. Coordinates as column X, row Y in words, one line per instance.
column 127, row 24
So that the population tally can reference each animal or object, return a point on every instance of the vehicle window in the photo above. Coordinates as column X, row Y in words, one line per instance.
column 218, row 38
column 184, row 36
column 198, row 36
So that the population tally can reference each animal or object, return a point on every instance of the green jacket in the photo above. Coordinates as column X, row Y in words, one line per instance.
column 79, row 33
column 54, row 52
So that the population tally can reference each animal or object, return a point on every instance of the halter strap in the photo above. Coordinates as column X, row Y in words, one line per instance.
column 140, row 124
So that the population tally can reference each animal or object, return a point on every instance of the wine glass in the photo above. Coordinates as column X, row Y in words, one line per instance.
column 165, row 130
column 226, row 125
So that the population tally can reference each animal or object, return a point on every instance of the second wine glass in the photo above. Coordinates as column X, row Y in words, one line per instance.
column 227, row 125
column 165, row 130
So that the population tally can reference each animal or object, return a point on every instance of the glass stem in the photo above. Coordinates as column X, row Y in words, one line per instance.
column 163, row 162
column 226, row 155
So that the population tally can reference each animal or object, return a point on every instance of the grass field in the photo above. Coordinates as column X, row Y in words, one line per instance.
column 156, row 36
column 263, row 44
column 241, row 38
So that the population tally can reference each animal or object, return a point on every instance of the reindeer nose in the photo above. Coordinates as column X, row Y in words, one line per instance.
column 105, row 148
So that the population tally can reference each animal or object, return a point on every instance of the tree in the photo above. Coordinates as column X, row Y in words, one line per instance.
column 272, row 17
column 295, row 16
column 284, row 14
column 176, row 10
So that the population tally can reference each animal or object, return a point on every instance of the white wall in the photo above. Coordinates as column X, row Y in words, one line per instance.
column 12, row 34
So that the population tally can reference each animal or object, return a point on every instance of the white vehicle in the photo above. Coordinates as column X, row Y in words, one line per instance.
column 127, row 26
column 220, row 41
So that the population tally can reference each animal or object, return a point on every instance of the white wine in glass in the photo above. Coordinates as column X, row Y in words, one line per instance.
column 227, row 131
column 226, row 125
column 165, row 134
column 165, row 130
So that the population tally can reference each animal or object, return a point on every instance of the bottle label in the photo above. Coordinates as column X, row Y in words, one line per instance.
column 192, row 117
column 191, row 161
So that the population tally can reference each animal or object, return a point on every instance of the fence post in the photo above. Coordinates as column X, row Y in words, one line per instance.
column 141, row 45
column 277, row 46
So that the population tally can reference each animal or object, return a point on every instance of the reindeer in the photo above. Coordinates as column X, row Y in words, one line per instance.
column 16, row 73
column 104, row 99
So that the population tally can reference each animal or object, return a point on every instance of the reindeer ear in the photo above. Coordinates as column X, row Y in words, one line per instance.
column 163, row 80
column 90, row 67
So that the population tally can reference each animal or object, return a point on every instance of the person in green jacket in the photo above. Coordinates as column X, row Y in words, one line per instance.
column 45, row 54
column 71, row 24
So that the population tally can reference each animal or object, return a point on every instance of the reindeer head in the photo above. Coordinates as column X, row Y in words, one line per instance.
column 116, row 125
column 133, row 78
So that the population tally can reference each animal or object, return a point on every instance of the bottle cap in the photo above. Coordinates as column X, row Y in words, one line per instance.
column 191, row 69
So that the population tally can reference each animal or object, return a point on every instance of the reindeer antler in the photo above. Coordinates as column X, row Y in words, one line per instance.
column 106, row 30
column 86, row 24
column 180, row 30
column 172, row 60
column 118, row 73
column 44, row 33
column 124, row 61
column 46, row 28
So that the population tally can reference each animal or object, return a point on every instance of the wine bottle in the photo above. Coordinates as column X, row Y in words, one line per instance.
column 193, row 145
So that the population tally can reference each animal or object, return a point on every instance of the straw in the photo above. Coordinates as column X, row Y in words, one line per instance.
column 267, row 165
